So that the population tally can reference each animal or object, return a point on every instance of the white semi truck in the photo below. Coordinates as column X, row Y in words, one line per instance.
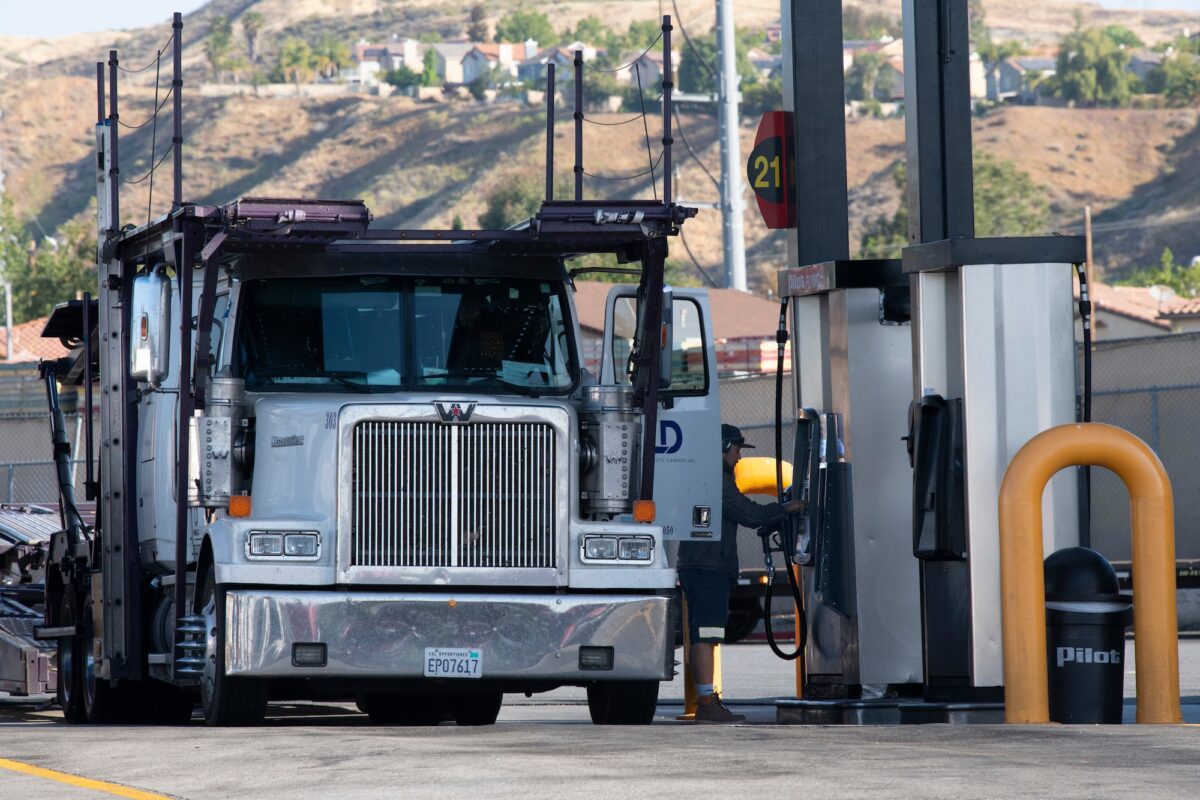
column 337, row 461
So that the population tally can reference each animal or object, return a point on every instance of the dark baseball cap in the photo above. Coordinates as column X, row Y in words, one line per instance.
column 733, row 435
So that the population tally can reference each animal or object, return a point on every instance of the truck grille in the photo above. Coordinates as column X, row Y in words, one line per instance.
column 426, row 494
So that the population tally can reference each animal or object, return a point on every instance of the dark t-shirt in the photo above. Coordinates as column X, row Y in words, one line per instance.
column 736, row 509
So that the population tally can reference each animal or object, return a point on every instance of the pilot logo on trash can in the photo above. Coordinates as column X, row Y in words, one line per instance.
column 1085, row 655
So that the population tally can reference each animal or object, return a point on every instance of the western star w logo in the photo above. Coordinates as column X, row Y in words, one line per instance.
column 455, row 412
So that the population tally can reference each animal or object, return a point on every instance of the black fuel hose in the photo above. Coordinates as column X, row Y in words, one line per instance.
column 781, row 337
column 1085, row 318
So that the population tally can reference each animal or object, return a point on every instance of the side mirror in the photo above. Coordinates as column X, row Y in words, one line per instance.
column 668, row 339
column 150, row 319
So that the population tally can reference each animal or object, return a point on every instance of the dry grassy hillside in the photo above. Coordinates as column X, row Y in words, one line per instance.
column 426, row 164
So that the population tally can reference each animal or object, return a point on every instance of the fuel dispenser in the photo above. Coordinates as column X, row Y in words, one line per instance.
column 993, row 365
column 853, row 370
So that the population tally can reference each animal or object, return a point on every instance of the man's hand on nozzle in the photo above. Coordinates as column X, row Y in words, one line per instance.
column 795, row 507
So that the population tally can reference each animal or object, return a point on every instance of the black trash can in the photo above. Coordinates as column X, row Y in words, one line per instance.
column 1086, row 617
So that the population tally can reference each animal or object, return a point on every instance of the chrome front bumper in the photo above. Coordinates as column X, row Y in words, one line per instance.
column 385, row 634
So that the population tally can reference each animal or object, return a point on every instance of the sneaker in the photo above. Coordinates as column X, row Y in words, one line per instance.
column 715, row 711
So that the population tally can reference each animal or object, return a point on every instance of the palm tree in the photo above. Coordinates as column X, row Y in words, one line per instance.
column 252, row 23
column 331, row 54
column 296, row 61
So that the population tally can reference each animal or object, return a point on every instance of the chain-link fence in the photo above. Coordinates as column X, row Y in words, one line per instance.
column 1150, row 387
column 27, row 471
column 749, row 403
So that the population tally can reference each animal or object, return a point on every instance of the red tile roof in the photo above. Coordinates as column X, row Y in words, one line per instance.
column 736, row 315
column 1181, row 307
column 28, row 344
column 1142, row 303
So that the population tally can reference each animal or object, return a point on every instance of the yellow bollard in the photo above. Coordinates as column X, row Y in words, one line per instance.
column 690, row 698
column 1023, row 597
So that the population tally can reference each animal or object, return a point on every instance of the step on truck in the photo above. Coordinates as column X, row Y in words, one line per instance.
column 337, row 461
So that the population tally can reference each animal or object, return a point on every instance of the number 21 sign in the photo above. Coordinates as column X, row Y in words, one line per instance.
column 770, row 172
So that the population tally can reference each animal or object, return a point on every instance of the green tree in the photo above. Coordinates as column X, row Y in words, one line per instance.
column 864, row 75
column 592, row 30
column 513, row 202
column 429, row 76
column 641, row 33
column 46, row 273
column 1184, row 280
column 698, row 64
column 521, row 24
column 218, row 47
column 1122, row 36
column 1181, row 78
column 252, row 23
column 296, row 61
column 403, row 78
column 1007, row 203
column 1092, row 70
column 330, row 55
column 477, row 27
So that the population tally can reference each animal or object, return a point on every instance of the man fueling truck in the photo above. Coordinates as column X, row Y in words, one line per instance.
column 336, row 461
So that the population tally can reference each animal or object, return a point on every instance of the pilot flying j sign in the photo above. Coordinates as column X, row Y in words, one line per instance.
column 770, row 170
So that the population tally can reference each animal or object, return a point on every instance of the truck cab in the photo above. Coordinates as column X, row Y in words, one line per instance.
column 401, row 484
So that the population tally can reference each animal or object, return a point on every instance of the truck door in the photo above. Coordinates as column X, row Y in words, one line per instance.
column 687, row 471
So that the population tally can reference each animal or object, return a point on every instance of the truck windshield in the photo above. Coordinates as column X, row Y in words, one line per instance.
column 381, row 333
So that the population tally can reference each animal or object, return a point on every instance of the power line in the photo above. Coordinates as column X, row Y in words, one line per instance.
column 687, row 146
column 695, row 263
column 679, row 21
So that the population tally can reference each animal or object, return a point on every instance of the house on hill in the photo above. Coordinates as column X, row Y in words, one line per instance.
column 743, row 327
column 1134, row 312
column 1016, row 78
column 481, row 59
column 533, row 68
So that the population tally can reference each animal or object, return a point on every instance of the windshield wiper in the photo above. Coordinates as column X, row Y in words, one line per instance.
column 345, row 379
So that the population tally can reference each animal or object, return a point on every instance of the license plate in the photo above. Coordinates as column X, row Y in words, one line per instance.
column 453, row 662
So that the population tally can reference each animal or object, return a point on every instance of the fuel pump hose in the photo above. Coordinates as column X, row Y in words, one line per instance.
column 785, row 546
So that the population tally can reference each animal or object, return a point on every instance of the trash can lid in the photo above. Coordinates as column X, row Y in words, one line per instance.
column 1079, row 573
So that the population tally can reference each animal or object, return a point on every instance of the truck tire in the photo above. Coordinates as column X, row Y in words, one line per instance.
column 404, row 708
column 226, row 701
column 70, row 663
column 472, row 709
column 622, row 702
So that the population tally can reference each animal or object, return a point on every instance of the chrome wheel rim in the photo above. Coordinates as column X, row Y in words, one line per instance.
column 209, row 679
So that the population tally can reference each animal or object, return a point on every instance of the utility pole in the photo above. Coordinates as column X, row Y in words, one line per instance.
column 732, row 201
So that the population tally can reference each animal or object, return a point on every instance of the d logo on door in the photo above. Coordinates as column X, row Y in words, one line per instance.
column 667, row 442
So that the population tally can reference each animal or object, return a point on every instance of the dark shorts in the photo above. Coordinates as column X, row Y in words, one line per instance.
column 707, row 596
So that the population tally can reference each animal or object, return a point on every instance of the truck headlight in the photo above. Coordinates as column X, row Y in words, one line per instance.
column 635, row 548
column 300, row 544
column 285, row 544
column 266, row 544
column 618, row 548
column 599, row 547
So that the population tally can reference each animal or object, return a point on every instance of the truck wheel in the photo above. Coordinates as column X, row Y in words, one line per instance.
column 104, row 703
column 622, row 702
column 226, row 701
column 70, row 660
column 476, row 709
column 402, row 708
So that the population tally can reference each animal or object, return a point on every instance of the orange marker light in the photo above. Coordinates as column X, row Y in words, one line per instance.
column 239, row 505
column 643, row 511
